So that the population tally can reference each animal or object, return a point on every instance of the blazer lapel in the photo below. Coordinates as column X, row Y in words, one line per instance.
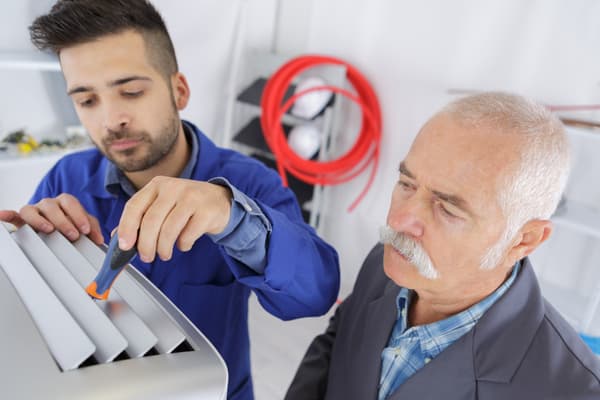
column 370, row 341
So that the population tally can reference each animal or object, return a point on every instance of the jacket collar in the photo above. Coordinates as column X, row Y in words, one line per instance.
column 492, row 351
column 380, row 317
column 506, row 331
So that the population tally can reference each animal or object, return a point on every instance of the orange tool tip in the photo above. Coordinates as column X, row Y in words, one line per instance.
column 92, row 291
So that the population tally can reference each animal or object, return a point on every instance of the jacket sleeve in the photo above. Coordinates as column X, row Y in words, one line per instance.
column 301, row 275
column 310, row 381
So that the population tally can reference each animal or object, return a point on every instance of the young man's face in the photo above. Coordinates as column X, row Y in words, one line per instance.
column 126, row 105
column 446, row 200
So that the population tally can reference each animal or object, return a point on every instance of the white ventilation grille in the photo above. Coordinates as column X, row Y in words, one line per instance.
column 48, row 274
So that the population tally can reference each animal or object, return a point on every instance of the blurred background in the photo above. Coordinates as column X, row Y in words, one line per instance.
column 416, row 55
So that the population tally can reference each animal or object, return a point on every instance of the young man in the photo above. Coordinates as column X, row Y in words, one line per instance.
column 449, row 306
column 164, row 183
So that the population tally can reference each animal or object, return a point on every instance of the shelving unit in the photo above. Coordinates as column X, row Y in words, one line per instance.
column 566, row 266
column 20, row 174
column 579, row 217
column 245, row 133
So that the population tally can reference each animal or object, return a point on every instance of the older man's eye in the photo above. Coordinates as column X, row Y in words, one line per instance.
column 445, row 211
column 405, row 185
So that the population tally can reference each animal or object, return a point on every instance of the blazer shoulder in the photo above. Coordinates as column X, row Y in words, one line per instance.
column 571, row 343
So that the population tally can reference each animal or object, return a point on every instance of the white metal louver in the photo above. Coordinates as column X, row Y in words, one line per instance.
column 56, row 342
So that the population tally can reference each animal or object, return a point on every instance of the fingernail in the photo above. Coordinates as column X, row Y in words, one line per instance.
column 72, row 235
column 123, row 244
column 84, row 228
column 46, row 227
column 145, row 258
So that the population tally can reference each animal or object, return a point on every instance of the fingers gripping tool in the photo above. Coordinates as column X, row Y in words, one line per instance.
column 116, row 260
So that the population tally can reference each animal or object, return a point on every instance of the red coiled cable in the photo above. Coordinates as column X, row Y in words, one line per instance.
column 365, row 150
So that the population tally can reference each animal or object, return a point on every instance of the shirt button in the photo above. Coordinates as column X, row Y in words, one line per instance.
column 427, row 359
column 247, row 207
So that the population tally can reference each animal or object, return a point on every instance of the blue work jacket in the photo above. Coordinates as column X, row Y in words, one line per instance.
column 301, row 277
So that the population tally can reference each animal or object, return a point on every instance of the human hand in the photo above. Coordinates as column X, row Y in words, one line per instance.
column 169, row 210
column 63, row 213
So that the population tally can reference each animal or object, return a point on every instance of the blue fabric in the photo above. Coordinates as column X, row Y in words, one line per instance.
column 592, row 341
column 247, row 226
column 408, row 350
column 301, row 274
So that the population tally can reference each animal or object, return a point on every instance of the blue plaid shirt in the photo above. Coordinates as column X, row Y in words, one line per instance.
column 408, row 350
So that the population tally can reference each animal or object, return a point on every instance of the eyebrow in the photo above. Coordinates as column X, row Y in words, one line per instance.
column 405, row 171
column 116, row 82
column 455, row 200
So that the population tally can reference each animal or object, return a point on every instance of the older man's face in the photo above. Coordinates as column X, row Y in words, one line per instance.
column 446, row 201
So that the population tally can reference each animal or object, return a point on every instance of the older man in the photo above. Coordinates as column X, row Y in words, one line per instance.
column 449, row 306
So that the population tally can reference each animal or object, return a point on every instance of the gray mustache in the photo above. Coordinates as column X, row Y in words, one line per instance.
column 410, row 249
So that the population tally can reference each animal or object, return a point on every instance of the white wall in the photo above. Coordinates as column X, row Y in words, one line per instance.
column 414, row 51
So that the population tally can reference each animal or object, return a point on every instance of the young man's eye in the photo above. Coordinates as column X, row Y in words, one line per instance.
column 133, row 94
column 86, row 103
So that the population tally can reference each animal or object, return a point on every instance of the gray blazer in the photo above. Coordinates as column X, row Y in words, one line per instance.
column 521, row 348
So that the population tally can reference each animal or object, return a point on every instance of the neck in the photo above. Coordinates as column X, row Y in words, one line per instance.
column 172, row 164
column 427, row 307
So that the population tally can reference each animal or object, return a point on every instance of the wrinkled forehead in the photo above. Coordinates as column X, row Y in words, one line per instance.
column 458, row 158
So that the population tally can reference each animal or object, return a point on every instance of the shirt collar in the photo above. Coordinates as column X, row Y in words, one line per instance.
column 436, row 336
column 115, row 181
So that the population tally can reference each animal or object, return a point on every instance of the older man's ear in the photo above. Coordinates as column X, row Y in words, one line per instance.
column 531, row 235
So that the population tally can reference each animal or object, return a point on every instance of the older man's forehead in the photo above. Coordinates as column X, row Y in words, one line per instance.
column 454, row 162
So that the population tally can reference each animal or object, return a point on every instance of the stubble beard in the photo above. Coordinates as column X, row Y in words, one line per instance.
column 148, row 153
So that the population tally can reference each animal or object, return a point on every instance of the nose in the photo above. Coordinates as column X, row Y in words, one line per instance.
column 115, row 118
column 406, row 216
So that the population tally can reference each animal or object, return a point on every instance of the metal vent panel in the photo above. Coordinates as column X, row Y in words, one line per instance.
column 50, row 326
column 108, row 340
column 167, row 333
column 68, row 343
column 140, row 338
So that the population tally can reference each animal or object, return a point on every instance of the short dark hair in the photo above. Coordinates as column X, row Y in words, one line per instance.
column 73, row 22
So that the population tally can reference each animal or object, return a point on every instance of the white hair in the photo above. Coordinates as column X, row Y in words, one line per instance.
column 532, row 190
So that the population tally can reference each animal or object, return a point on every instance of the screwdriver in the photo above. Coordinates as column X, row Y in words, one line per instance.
column 115, row 261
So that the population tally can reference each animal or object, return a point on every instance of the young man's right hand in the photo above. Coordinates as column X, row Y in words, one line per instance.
column 63, row 213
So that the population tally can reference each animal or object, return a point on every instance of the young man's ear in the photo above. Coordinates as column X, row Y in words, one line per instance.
column 181, row 90
column 531, row 235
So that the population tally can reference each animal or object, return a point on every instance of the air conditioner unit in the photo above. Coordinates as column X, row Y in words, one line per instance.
column 58, row 343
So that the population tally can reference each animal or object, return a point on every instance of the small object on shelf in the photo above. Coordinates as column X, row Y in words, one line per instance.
column 311, row 104
column 14, row 137
column 305, row 140
column 24, row 142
